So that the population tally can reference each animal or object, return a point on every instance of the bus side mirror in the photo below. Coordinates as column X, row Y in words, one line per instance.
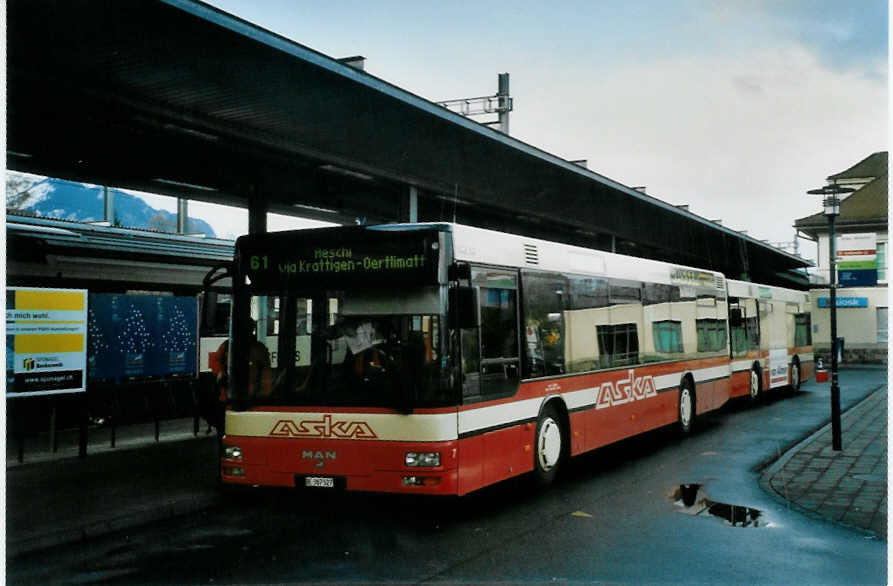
column 463, row 310
column 459, row 270
column 736, row 320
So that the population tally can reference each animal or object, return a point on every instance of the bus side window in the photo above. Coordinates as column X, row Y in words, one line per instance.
column 802, row 330
column 739, row 338
column 544, row 304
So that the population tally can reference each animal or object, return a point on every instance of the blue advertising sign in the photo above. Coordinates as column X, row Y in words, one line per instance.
column 141, row 337
column 844, row 302
column 857, row 278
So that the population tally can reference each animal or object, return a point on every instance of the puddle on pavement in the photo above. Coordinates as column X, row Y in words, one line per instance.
column 692, row 501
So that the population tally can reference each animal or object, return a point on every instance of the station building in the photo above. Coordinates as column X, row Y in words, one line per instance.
column 862, row 313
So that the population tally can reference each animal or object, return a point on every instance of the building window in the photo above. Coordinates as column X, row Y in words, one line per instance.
column 881, row 261
column 882, row 324
column 711, row 335
column 668, row 337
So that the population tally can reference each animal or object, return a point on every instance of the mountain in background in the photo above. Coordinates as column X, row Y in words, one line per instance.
column 67, row 200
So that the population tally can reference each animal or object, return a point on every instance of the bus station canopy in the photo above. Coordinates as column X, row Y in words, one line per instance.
column 177, row 97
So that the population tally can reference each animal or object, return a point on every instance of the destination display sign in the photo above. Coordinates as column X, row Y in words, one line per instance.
column 331, row 259
column 696, row 278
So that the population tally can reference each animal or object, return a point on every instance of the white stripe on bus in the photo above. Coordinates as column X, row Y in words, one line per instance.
column 424, row 427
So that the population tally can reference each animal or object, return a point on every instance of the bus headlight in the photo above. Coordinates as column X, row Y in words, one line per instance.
column 232, row 452
column 424, row 459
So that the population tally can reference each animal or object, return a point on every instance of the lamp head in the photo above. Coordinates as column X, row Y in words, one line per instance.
column 831, row 200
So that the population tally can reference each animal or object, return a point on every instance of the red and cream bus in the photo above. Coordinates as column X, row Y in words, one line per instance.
column 771, row 338
column 440, row 358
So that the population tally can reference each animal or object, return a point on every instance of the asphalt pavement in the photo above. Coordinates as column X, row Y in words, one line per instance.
column 57, row 498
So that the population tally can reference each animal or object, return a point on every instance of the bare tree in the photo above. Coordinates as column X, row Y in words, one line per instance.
column 20, row 189
column 163, row 223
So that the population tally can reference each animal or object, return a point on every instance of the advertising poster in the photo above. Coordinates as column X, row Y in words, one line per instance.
column 141, row 337
column 46, row 341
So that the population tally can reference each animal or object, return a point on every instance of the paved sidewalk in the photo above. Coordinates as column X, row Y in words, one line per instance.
column 50, row 502
column 847, row 486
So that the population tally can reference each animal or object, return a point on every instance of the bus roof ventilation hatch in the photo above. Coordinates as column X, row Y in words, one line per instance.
column 531, row 254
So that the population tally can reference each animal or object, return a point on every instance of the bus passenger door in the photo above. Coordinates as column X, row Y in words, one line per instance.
column 493, row 350
column 776, row 336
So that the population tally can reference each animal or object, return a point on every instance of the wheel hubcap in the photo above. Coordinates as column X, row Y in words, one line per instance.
column 549, row 444
column 795, row 376
column 685, row 407
column 754, row 384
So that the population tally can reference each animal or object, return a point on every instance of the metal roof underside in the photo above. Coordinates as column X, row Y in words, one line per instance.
column 127, row 93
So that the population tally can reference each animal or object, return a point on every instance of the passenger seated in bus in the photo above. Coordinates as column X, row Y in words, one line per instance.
column 259, row 369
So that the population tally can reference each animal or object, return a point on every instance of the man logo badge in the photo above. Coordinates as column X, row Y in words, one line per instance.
column 319, row 457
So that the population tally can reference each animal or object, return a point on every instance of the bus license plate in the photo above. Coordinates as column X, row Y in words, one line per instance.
column 319, row 482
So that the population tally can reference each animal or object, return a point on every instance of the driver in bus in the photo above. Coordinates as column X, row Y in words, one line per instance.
column 259, row 367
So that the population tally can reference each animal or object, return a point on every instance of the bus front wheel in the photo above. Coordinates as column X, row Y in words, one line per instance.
column 548, row 449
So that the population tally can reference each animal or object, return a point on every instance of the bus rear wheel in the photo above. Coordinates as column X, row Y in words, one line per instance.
column 795, row 375
column 687, row 407
column 548, row 451
column 756, row 386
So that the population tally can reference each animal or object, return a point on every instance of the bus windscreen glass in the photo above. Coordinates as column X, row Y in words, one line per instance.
column 361, row 349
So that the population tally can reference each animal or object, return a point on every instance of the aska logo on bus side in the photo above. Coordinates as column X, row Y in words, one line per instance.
column 625, row 390
column 324, row 428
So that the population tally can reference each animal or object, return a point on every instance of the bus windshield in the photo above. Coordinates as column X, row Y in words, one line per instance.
column 355, row 349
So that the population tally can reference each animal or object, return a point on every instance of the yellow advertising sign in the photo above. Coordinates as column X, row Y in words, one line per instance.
column 46, row 341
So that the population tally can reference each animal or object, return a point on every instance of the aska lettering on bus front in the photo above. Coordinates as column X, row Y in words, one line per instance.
column 324, row 428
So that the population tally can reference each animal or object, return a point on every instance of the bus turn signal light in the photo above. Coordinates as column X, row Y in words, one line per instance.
column 421, row 481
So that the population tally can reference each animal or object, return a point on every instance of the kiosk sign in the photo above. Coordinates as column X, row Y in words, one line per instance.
column 46, row 341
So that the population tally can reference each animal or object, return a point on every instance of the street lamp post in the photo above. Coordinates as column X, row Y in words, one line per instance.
column 831, row 204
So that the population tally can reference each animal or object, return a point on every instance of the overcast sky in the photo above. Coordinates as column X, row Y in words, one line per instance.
column 735, row 108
